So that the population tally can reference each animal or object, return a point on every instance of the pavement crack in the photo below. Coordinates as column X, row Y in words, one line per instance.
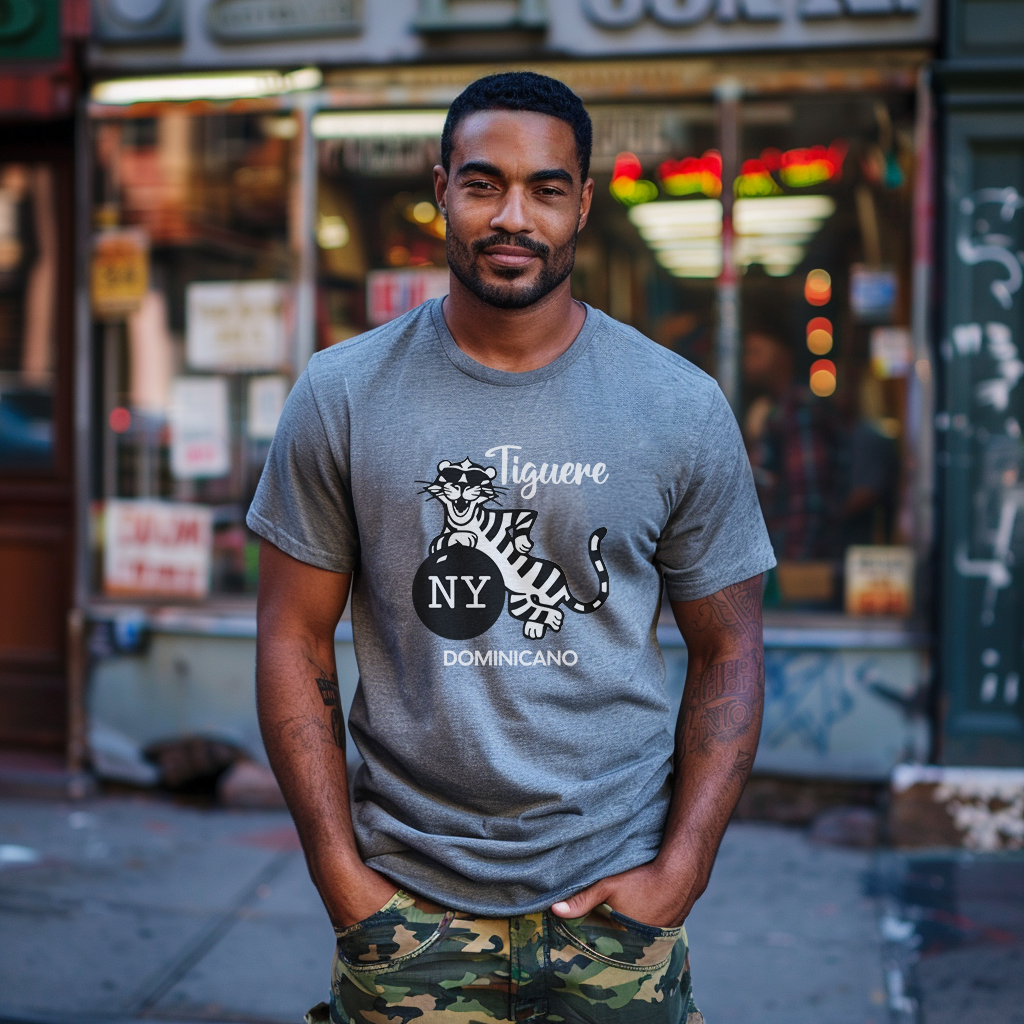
column 152, row 991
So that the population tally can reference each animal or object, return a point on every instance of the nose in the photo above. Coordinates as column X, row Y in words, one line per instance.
column 512, row 218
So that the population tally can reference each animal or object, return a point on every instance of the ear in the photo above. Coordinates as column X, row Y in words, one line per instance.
column 443, row 465
column 491, row 472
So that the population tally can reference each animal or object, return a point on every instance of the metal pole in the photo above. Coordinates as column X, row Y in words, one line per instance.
column 727, row 97
column 305, row 297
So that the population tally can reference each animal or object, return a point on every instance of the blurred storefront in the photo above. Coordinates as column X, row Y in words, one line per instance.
column 39, row 78
column 260, row 187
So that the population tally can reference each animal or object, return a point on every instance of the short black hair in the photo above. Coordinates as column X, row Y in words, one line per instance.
column 521, row 90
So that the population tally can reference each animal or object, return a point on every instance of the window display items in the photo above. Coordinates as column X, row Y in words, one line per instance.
column 879, row 580
column 235, row 325
column 200, row 432
column 157, row 548
column 120, row 271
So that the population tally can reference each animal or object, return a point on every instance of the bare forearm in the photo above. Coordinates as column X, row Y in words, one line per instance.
column 304, row 733
column 718, row 728
column 716, row 739
column 303, row 729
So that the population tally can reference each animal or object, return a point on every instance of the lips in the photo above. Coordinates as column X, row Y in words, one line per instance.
column 461, row 506
column 510, row 255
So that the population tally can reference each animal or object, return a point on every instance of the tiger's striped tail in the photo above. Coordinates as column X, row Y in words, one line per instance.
column 602, row 577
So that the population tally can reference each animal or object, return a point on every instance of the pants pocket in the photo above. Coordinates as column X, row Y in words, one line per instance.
column 612, row 938
column 398, row 932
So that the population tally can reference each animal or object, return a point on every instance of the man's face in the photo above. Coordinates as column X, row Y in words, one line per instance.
column 514, row 204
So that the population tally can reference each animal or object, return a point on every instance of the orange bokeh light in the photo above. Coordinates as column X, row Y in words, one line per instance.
column 823, row 377
column 819, row 335
column 818, row 287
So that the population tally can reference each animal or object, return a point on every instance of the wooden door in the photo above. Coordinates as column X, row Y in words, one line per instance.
column 36, row 491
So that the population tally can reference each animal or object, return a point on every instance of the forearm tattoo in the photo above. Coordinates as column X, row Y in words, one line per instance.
column 330, row 695
column 721, row 704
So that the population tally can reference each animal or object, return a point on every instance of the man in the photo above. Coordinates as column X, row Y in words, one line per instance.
column 506, row 477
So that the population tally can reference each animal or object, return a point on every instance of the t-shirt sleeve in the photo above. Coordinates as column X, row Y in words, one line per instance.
column 715, row 535
column 303, row 503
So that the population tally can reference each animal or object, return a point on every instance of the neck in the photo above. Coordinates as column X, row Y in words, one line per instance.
column 515, row 340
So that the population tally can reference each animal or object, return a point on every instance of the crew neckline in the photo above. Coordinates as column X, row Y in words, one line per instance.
column 511, row 378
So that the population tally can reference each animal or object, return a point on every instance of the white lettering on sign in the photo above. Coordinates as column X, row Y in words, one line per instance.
column 156, row 548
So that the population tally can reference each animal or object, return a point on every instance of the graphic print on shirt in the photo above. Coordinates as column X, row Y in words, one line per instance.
column 483, row 553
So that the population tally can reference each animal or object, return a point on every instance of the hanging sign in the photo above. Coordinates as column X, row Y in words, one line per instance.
column 235, row 325
column 241, row 21
column 200, row 433
column 157, row 548
column 390, row 293
column 120, row 272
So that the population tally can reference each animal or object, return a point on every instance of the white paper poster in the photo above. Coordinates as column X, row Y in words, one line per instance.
column 200, row 432
column 891, row 350
column 266, row 402
column 235, row 325
column 157, row 548
column 390, row 293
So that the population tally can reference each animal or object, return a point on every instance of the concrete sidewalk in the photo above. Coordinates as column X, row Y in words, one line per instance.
column 139, row 909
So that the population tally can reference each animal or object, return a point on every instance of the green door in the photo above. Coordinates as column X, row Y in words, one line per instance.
column 981, row 447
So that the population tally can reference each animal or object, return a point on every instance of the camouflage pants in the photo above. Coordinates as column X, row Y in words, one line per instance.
column 406, row 966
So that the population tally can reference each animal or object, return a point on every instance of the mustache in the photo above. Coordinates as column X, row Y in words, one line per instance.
column 520, row 241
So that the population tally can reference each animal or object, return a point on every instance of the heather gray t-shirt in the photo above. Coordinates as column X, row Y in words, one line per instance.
column 508, row 535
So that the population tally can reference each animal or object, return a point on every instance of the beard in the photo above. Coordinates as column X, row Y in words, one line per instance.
column 556, row 266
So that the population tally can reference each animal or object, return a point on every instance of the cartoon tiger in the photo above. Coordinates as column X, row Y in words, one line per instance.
column 536, row 586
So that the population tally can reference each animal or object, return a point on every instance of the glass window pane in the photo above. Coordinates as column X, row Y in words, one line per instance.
column 193, row 257
column 28, row 309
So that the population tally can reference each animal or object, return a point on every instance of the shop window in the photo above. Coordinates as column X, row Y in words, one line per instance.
column 193, row 257
column 28, row 308
column 827, row 360
column 822, row 220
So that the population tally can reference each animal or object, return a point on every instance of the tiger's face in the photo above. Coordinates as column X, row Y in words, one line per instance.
column 462, row 488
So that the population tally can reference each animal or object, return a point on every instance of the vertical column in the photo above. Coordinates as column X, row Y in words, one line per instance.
column 921, row 395
column 304, row 236
column 727, row 97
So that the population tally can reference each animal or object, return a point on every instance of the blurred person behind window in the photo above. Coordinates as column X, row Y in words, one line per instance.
column 794, row 443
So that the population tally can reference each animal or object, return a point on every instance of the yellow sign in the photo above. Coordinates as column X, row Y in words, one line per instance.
column 120, row 272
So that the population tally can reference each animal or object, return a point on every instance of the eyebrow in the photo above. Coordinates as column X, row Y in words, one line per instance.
column 483, row 167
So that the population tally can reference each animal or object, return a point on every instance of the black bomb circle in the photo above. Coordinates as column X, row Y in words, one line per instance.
column 458, row 593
